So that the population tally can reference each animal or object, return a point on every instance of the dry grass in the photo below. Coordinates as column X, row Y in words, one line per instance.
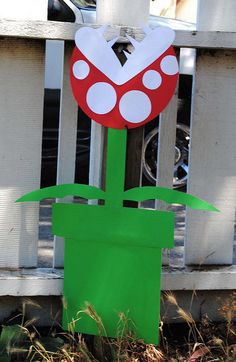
column 196, row 342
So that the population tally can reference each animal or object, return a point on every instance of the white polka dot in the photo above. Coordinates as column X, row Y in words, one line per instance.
column 169, row 65
column 135, row 106
column 152, row 79
column 101, row 98
column 80, row 69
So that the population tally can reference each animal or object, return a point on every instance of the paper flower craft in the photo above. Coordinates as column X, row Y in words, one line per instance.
column 123, row 96
column 112, row 252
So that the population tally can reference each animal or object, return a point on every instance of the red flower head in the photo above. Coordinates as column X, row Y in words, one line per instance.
column 123, row 96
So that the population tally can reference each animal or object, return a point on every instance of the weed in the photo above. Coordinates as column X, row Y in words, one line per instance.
column 204, row 341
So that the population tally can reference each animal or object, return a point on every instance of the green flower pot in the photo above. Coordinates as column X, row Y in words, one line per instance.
column 113, row 253
column 113, row 262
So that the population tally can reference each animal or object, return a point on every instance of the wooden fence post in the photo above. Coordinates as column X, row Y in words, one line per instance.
column 216, row 15
column 209, row 236
column 123, row 12
column 21, row 121
column 66, row 145
column 119, row 12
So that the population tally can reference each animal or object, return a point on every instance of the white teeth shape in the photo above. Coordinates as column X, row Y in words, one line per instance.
column 150, row 49
column 113, row 41
column 99, row 52
column 95, row 48
column 146, row 30
column 133, row 41
column 102, row 29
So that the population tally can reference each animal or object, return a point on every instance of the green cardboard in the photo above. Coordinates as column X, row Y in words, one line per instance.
column 61, row 191
column 113, row 253
column 169, row 196
column 116, row 254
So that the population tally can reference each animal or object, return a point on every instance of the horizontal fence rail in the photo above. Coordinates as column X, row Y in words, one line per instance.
column 208, row 238
column 54, row 30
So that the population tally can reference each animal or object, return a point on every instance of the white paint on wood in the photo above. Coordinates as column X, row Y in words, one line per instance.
column 166, row 144
column 67, row 144
column 123, row 12
column 53, row 30
column 49, row 282
column 187, row 61
column 24, row 9
column 216, row 15
column 212, row 170
column 21, row 118
column 164, row 8
column 166, row 156
column 221, row 278
column 66, row 31
column 54, row 64
column 96, row 156
column 186, row 10
column 205, row 39
column 31, row 282
column 114, row 12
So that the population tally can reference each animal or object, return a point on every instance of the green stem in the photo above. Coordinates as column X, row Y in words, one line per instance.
column 115, row 166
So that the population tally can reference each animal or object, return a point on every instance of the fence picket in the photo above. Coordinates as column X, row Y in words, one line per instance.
column 66, row 145
column 21, row 119
column 96, row 156
column 166, row 155
column 209, row 236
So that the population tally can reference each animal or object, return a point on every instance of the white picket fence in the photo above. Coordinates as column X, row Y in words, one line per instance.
column 209, row 237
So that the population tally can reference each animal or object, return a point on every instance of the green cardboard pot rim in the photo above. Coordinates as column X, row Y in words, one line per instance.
column 124, row 227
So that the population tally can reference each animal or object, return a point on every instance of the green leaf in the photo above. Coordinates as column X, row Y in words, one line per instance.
column 168, row 195
column 60, row 191
column 11, row 336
